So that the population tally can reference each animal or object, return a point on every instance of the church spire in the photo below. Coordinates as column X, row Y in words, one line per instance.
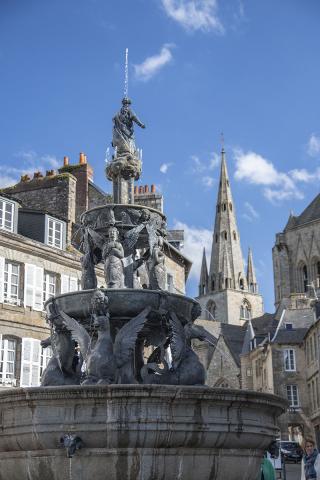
column 203, row 284
column 226, row 249
column 251, row 274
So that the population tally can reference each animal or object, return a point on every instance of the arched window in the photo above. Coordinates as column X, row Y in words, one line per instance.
column 245, row 310
column 234, row 236
column 224, row 235
column 211, row 310
column 302, row 277
column 224, row 207
column 315, row 272
column 241, row 284
column 230, row 206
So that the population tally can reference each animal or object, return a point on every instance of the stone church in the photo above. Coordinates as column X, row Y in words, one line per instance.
column 296, row 259
column 227, row 293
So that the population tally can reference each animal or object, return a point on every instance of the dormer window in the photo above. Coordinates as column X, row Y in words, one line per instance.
column 6, row 215
column 55, row 233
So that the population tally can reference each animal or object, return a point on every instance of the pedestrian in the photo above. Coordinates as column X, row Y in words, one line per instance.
column 267, row 470
column 310, row 463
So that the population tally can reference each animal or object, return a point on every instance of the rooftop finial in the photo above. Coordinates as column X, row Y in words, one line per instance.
column 222, row 142
column 126, row 75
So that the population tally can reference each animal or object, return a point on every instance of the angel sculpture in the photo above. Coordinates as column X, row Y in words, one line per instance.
column 106, row 362
column 186, row 368
column 64, row 366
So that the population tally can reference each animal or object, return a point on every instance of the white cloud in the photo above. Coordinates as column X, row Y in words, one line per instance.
column 314, row 145
column 207, row 181
column 194, row 14
column 302, row 175
column 214, row 161
column 194, row 241
column 6, row 181
column 197, row 165
column 251, row 213
column 255, row 169
column 152, row 65
column 164, row 167
column 30, row 162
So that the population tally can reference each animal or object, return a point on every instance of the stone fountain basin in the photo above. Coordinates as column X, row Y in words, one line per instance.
column 127, row 303
column 136, row 432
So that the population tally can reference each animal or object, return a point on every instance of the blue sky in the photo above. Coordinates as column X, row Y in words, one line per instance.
column 197, row 67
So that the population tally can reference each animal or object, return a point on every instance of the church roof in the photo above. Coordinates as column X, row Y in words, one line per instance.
column 264, row 324
column 233, row 335
column 309, row 214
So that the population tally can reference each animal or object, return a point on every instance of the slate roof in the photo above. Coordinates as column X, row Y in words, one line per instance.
column 309, row 214
column 233, row 335
column 264, row 324
column 290, row 336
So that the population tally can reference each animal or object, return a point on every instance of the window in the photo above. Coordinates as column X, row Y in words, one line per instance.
column 249, row 372
column 30, row 363
column 318, row 275
column 7, row 359
column 49, row 285
column 292, row 395
column 46, row 354
column 289, row 326
column 234, row 236
column 241, row 284
column 245, row 311
column 230, row 206
column 224, row 207
column 55, row 233
column 11, row 283
column 211, row 310
column 170, row 286
column 218, row 208
column 289, row 360
column 224, row 235
column 6, row 215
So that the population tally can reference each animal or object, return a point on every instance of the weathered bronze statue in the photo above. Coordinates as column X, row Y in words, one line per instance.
column 123, row 132
column 112, row 255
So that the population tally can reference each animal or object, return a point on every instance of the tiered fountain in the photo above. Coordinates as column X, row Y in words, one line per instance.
column 123, row 396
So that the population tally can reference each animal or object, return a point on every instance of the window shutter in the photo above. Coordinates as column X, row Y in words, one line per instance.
column 29, row 284
column 30, row 363
column 64, row 283
column 1, row 278
column 33, row 287
column 25, row 362
column 38, row 289
column 73, row 284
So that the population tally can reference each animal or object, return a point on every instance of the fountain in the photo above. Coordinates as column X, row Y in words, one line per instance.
column 124, row 395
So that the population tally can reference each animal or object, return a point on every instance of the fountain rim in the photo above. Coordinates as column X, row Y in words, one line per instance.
column 138, row 391
column 126, row 205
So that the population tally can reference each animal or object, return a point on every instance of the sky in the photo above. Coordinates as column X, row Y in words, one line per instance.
column 247, row 68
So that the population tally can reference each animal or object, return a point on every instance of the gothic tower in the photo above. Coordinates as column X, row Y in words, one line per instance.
column 226, row 293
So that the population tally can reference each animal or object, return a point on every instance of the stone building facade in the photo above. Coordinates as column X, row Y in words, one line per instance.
column 38, row 219
column 227, row 293
column 296, row 258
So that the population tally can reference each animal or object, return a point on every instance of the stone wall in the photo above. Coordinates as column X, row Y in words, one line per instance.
column 54, row 194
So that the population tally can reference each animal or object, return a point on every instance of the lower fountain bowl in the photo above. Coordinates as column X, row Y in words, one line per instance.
column 131, row 432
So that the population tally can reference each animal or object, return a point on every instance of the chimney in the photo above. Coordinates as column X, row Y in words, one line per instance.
column 146, row 189
column 141, row 189
column 153, row 189
column 82, row 158
column 65, row 161
column 25, row 178
column 136, row 190
column 49, row 173
column 37, row 175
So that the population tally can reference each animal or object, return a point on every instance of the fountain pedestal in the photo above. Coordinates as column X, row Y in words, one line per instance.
column 132, row 432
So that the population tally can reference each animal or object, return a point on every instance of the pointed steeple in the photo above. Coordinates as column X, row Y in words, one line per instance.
column 203, row 284
column 251, row 274
column 226, row 248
